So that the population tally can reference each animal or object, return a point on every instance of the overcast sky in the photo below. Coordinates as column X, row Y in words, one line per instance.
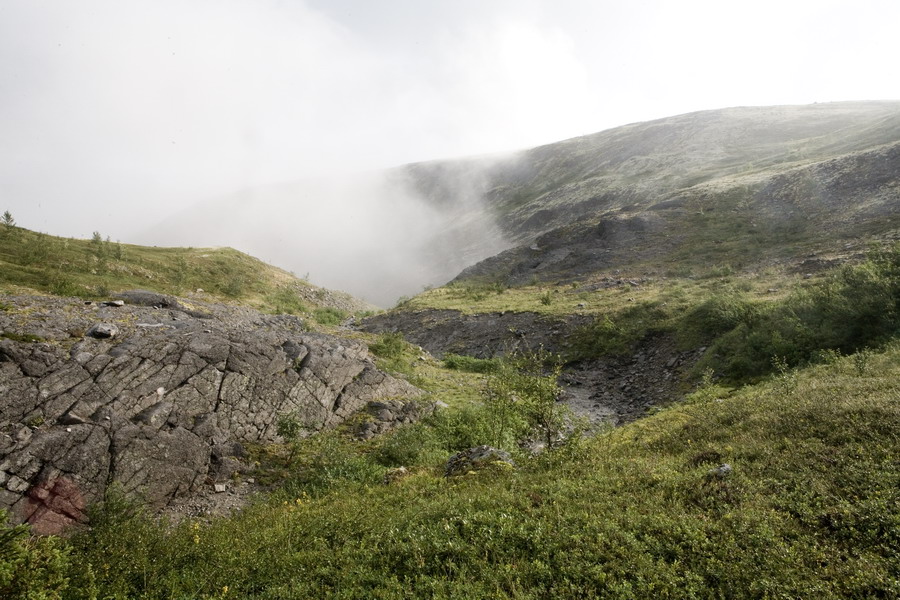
column 117, row 113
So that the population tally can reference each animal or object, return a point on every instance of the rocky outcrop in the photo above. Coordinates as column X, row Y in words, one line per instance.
column 385, row 415
column 161, row 406
column 484, row 335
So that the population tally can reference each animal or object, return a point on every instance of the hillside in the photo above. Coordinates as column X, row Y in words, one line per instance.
column 629, row 169
column 419, row 225
column 788, row 488
column 682, row 352
column 36, row 262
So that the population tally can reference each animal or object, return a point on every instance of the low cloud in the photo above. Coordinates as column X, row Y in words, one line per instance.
column 375, row 235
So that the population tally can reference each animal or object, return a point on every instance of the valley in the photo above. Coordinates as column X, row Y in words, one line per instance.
column 679, row 337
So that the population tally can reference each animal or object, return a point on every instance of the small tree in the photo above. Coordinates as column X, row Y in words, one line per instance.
column 9, row 224
column 522, row 395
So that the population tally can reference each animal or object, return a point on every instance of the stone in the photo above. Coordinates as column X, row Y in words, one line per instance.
column 395, row 475
column 114, row 303
column 147, row 298
column 72, row 418
column 103, row 331
column 476, row 459
column 219, row 487
column 722, row 471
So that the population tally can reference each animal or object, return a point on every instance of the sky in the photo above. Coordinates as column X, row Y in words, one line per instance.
column 117, row 114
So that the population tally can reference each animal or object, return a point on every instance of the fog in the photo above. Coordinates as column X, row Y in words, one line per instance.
column 117, row 115
column 371, row 234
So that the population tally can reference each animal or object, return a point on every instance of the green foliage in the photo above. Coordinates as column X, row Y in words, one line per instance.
column 617, row 335
column 465, row 427
column 715, row 316
column 603, row 337
column 526, row 388
column 854, row 307
column 286, row 301
column 389, row 345
column 474, row 290
column 81, row 267
column 329, row 316
column 31, row 567
column 326, row 462
column 234, row 285
column 8, row 228
column 861, row 361
column 470, row 364
column 21, row 337
column 415, row 445
column 808, row 511
column 35, row 249
column 289, row 427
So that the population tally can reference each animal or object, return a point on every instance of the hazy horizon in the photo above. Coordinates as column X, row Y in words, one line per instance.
column 115, row 116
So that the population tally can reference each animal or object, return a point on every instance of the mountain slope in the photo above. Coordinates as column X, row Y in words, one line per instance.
column 636, row 166
column 741, row 222
column 389, row 234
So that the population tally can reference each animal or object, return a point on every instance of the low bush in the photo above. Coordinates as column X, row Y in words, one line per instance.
column 617, row 335
column 329, row 316
column 286, row 301
column 714, row 317
column 806, row 510
column 31, row 567
column 389, row 346
column 854, row 307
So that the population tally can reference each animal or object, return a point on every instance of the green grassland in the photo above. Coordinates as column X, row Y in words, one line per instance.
column 36, row 262
column 800, row 398
column 809, row 509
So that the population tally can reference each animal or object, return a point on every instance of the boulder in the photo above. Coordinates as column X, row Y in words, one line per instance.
column 103, row 330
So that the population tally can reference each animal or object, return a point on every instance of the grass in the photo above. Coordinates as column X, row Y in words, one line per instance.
column 746, row 319
column 36, row 262
column 809, row 507
column 807, row 510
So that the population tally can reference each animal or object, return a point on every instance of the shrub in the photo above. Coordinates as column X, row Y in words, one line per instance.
column 714, row 317
column 329, row 316
column 286, row 301
column 389, row 345
column 326, row 461
column 31, row 567
column 616, row 336
column 417, row 444
column 855, row 306
column 463, row 427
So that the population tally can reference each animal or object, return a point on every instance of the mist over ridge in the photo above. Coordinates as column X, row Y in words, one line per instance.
column 381, row 235
column 377, row 235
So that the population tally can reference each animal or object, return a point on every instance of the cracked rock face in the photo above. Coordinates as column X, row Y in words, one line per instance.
column 151, row 408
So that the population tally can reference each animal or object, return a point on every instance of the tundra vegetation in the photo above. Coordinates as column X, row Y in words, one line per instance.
column 797, row 395
column 36, row 262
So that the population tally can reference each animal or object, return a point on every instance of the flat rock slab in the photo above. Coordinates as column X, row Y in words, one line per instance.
column 150, row 407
